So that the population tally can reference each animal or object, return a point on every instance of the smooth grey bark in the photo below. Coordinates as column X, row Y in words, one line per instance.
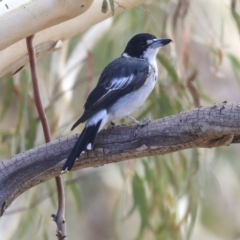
column 206, row 127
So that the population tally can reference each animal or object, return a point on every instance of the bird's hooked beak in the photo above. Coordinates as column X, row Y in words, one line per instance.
column 157, row 43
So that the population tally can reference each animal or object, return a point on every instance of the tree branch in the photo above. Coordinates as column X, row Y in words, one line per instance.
column 51, row 27
column 206, row 127
column 59, row 217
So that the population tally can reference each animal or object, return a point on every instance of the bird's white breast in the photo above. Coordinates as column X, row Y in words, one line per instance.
column 132, row 101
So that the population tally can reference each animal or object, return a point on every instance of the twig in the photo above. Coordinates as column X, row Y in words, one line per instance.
column 59, row 218
column 180, row 13
column 192, row 89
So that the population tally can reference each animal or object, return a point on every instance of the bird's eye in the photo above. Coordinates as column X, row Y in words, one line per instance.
column 142, row 43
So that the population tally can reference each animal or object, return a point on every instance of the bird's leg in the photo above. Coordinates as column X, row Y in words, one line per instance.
column 143, row 123
column 146, row 121
column 139, row 124
column 133, row 120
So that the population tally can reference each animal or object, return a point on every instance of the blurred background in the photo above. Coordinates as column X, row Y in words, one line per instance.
column 192, row 194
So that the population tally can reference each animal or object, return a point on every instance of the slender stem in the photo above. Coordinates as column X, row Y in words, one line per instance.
column 37, row 97
column 59, row 218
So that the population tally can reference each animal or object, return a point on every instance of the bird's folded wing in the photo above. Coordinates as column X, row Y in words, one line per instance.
column 119, row 78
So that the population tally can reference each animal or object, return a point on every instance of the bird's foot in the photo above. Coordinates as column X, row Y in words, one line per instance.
column 112, row 125
column 142, row 123
column 145, row 122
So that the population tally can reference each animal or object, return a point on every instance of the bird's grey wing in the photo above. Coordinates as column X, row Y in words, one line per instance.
column 119, row 78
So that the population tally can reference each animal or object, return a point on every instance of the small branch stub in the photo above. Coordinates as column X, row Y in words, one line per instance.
column 59, row 233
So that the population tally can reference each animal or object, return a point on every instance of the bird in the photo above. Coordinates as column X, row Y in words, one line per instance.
column 122, row 88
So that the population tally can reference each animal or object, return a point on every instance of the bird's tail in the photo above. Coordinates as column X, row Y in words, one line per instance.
column 84, row 142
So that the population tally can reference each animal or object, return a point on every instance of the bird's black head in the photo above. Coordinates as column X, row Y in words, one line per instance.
column 144, row 46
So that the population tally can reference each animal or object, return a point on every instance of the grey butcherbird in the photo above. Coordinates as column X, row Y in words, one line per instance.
column 122, row 88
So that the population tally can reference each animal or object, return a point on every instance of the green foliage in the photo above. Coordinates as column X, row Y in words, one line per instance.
column 7, row 97
column 235, row 65
column 156, row 195
column 75, row 192
column 236, row 16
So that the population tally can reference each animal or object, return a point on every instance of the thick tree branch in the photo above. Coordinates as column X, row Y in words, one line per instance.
column 206, row 127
